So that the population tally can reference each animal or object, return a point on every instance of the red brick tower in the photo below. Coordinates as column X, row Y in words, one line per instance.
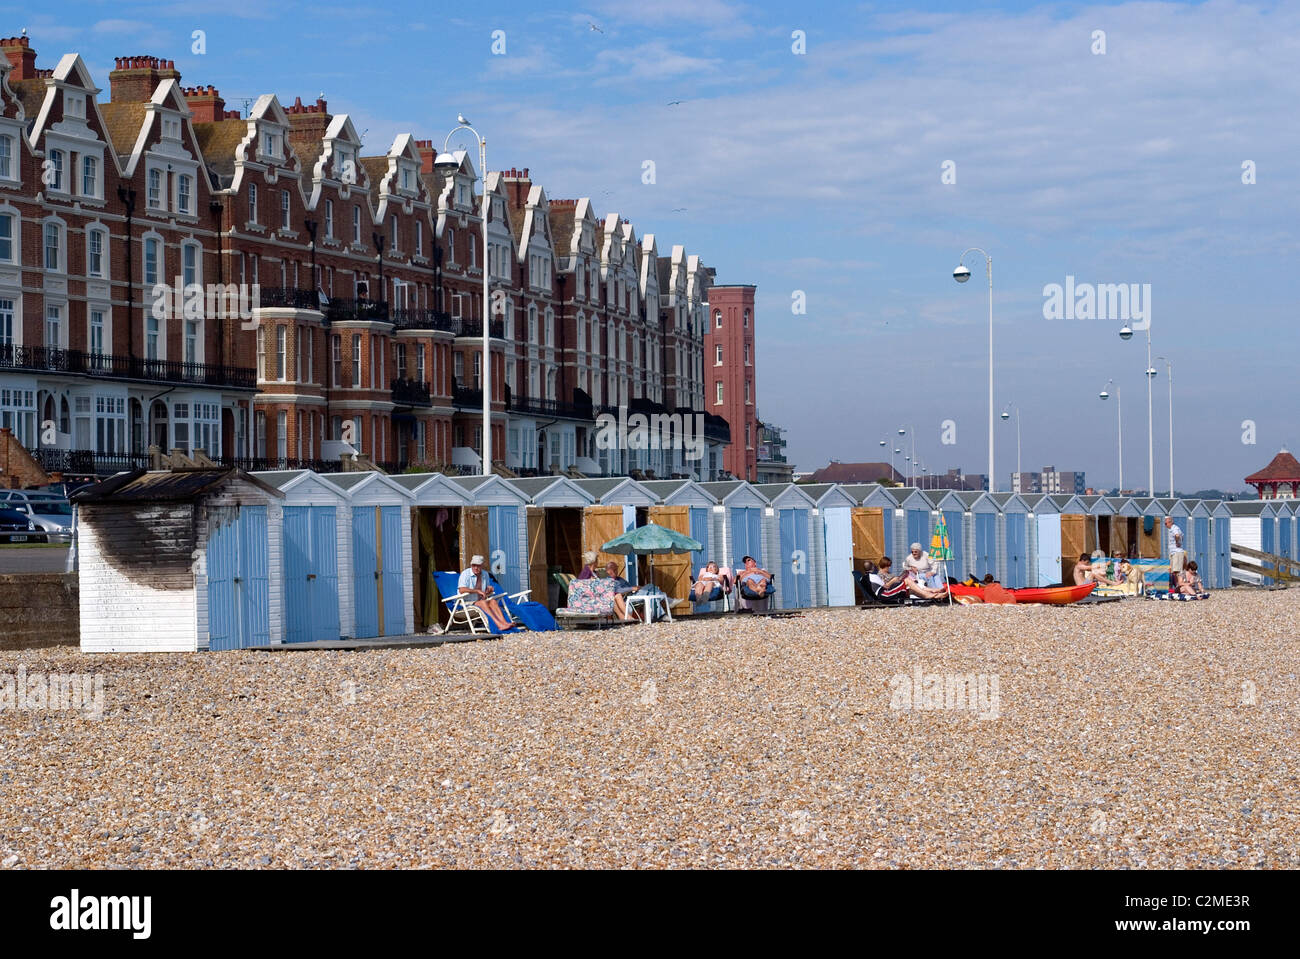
column 730, row 386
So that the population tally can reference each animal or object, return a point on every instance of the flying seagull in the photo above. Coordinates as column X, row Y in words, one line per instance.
column 673, row 103
column 594, row 27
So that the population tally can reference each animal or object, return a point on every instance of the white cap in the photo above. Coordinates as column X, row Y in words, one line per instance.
column 476, row 560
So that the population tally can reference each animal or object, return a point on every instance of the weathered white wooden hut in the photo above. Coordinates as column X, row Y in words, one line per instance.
column 179, row 561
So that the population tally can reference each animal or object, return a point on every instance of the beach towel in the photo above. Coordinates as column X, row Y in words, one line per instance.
column 1165, row 594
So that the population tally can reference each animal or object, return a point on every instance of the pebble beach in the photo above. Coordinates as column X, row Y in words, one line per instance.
column 1133, row 734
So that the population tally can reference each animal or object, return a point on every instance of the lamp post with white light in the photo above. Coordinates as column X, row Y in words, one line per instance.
column 1126, row 333
column 447, row 165
column 1119, row 421
column 1169, row 370
column 961, row 275
column 1006, row 416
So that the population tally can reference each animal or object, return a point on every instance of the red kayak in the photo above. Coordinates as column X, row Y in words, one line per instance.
column 1049, row 595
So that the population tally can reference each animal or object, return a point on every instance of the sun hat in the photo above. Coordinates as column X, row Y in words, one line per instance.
column 476, row 560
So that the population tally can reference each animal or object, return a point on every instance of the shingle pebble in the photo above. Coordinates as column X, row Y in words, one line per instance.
column 1133, row 734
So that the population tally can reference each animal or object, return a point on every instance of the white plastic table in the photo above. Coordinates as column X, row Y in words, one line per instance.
column 645, row 599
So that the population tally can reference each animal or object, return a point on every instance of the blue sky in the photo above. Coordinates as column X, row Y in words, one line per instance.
column 822, row 172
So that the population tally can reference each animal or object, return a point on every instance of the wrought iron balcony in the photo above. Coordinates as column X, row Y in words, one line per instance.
column 340, row 310
column 257, row 463
column 412, row 319
column 115, row 366
column 290, row 297
column 470, row 327
column 467, row 396
column 410, row 393
column 87, row 462
column 543, row 407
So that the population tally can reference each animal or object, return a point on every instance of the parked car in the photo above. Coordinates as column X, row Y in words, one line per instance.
column 18, row 527
column 52, row 515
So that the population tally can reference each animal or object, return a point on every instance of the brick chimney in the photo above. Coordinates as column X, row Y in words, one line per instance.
column 21, row 57
column 308, row 121
column 428, row 153
column 206, row 103
column 136, row 78
column 517, row 184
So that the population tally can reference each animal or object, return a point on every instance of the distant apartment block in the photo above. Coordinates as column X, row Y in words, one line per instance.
column 1049, row 480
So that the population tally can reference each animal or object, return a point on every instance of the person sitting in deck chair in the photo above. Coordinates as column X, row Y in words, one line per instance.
column 903, row 583
column 710, row 585
column 588, row 570
column 927, row 570
column 621, row 589
column 474, row 582
column 755, row 582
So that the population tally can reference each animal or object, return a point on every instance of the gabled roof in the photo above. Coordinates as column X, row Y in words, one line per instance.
column 365, row 482
column 1281, row 468
column 1247, row 507
column 616, row 487
column 723, row 489
column 669, row 488
column 432, row 489
column 552, row 490
column 859, row 491
column 775, row 491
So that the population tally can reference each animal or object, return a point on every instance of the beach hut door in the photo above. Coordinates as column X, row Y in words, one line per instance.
column 1049, row 550
column 839, row 556
column 672, row 571
column 503, row 539
column 239, row 607
column 538, row 572
column 796, row 593
column 1015, row 551
column 377, row 570
column 311, row 579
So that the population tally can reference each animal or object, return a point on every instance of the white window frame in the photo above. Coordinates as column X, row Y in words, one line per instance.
column 61, row 248
column 58, row 162
column 356, row 223
column 15, row 220
column 252, row 202
column 90, row 169
column 8, row 157
column 184, row 194
column 97, row 233
column 154, row 190
column 286, row 210
column 329, row 219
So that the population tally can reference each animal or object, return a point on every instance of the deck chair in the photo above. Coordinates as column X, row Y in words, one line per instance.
column 723, row 591
column 534, row 616
column 747, row 600
column 463, row 612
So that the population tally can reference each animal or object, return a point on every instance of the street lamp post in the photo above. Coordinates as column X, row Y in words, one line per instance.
column 1007, row 416
column 1126, row 333
column 447, row 165
column 1119, row 421
column 1169, row 369
column 961, row 275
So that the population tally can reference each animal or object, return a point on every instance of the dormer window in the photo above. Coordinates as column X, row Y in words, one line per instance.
column 271, row 145
column 462, row 195
column 171, row 128
column 406, row 178
column 75, row 105
column 346, row 167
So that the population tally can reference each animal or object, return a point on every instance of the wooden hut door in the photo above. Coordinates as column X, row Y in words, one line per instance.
column 600, row 524
column 672, row 571
column 1149, row 544
column 473, row 533
column 1119, row 536
column 1074, row 540
column 868, row 535
column 537, row 568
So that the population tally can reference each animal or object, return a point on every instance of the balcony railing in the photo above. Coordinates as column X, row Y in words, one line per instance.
column 467, row 396
column 114, row 366
column 353, row 311
column 470, row 327
column 87, row 462
column 543, row 407
column 410, row 393
column 409, row 319
column 290, row 297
